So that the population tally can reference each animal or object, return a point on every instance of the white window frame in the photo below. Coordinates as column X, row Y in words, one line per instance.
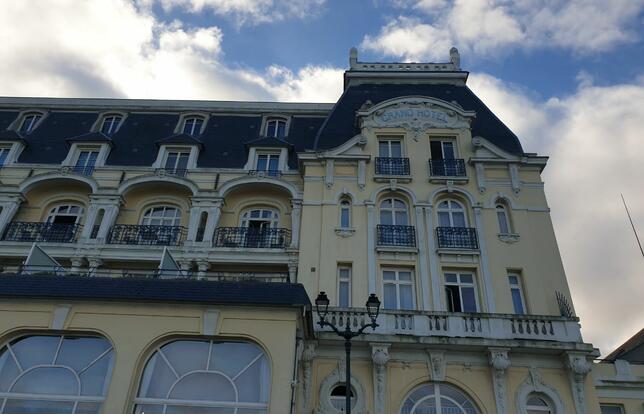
column 342, row 399
column 23, row 117
column 270, row 117
column 548, row 409
column 162, row 155
column 98, row 124
column 389, row 140
column 519, row 287
column 55, row 212
column 620, row 407
column 176, row 220
column 450, row 210
column 501, row 208
column 273, row 221
column 15, row 148
column 178, row 129
column 392, row 211
column 461, row 285
column 344, row 279
column 175, row 151
column 255, row 152
column 443, row 141
column 114, row 127
column 77, row 147
column 345, row 205
column 397, row 283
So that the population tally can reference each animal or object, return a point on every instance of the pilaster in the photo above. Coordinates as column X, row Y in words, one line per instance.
column 422, row 258
column 296, row 219
column 380, row 357
column 485, row 263
column 578, row 368
column 9, row 205
column 371, row 245
column 499, row 363
column 308, row 354
column 434, row 270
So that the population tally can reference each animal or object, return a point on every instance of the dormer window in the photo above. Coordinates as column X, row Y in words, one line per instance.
column 176, row 162
column 111, row 124
column 86, row 160
column 192, row 125
column 268, row 163
column 4, row 154
column 29, row 122
column 276, row 127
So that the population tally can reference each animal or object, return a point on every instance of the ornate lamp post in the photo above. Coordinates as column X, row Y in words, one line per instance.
column 322, row 309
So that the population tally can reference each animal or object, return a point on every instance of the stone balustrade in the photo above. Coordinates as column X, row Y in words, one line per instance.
column 466, row 325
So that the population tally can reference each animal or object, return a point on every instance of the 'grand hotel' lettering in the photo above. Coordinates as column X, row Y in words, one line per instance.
column 413, row 114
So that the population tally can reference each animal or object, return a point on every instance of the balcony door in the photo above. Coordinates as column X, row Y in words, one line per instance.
column 258, row 224
column 390, row 148
column 62, row 221
column 160, row 225
column 393, row 212
column 451, row 214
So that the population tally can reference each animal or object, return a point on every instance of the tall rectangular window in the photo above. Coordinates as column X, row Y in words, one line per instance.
column 611, row 409
column 177, row 161
column 110, row 123
column 29, row 123
column 268, row 162
column 276, row 128
column 398, row 289
column 4, row 153
column 344, row 286
column 461, row 292
column 86, row 162
column 442, row 150
column 516, row 291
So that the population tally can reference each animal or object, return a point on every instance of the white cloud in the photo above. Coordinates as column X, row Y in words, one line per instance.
column 593, row 138
column 140, row 57
column 250, row 11
column 483, row 27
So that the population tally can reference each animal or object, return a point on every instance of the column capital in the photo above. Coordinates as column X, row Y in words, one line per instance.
column 296, row 203
column 380, row 353
column 499, row 359
column 437, row 364
column 106, row 199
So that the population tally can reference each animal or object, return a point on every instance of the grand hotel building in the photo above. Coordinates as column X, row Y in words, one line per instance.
column 408, row 187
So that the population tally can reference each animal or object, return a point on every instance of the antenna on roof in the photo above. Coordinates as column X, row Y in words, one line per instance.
column 632, row 225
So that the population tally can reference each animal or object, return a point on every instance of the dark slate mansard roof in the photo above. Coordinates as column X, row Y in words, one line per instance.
column 226, row 137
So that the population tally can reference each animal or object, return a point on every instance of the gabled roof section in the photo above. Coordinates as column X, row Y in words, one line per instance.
column 268, row 142
column 627, row 351
column 182, row 138
column 96, row 136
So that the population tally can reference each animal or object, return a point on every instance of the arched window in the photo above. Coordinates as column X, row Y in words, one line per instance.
column 345, row 214
column 438, row 398
column 161, row 216
column 55, row 374
column 260, row 219
column 338, row 397
column 65, row 214
column 29, row 122
column 538, row 404
column 110, row 124
column 276, row 127
column 393, row 212
column 190, row 376
column 192, row 125
column 502, row 217
column 451, row 214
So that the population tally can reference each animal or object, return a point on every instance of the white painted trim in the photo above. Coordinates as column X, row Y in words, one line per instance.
column 98, row 124
column 423, row 271
column 485, row 263
column 178, row 129
column 434, row 270
column 449, row 190
column 26, row 185
column 236, row 182
column 164, row 149
column 128, row 184
column 77, row 147
column 15, row 149
column 398, row 189
column 534, row 383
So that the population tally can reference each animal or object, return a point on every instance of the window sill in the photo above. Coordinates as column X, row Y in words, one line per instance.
column 508, row 237
column 387, row 178
column 445, row 179
column 397, row 249
column 345, row 232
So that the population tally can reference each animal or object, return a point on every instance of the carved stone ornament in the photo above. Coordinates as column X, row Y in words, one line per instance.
column 500, row 362
column 508, row 237
column 578, row 368
column 437, row 364
column 380, row 357
column 416, row 115
column 337, row 377
column 308, row 354
column 345, row 232
column 534, row 384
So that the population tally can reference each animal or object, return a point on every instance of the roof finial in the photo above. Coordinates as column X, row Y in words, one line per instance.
column 455, row 58
column 353, row 57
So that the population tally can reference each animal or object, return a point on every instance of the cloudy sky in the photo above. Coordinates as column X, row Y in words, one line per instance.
column 566, row 75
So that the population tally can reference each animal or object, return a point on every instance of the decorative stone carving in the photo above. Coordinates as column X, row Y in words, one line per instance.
column 380, row 357
column 416, row 115
column 514, row 178
column 480, row 177
column 508, row 237
column 578, row 368
column 455, row 58
column 336, row 377
column 308, row 354
column 534, row 383
column 344, row 232
column 500, row 362
column 436, row 364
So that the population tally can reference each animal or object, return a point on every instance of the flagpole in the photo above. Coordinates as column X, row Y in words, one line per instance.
column 632, row 225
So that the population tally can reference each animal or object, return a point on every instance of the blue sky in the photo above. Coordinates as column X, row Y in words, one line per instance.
column 567, row 76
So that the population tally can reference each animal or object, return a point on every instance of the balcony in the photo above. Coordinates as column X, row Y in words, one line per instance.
column 246, row 237
column 450, row 168
column 41, row 232
column 392, row 167
column 398, row 236
column 457, row 238
column 460, row 325
column 146, row 235
column 265, row 173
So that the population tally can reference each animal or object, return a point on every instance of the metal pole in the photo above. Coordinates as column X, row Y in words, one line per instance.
column 347, row 384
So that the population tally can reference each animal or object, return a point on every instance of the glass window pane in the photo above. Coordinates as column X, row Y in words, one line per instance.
column 157, row 379
column 273, row 164
column 404, row 276
column 443, row 219
column 513, row 280
column 396, row 149
column 78, row 353
column 47, row 380
column 220, row 358
column 35, row 350
column 262, row 162
column 451, row 278
column 343, row 301
column 388, row 275
column 383, row 148
column 271, row 128
column 205, row 386
column 173, row 409
column 87, row 408
column 390, row 301
column 8, row 371
column 345, row 273
column 281, row 129
column 406, row 297
column 401, row 218
column 459, row 219
column 469, row 301
column 516, row 300
column 503, row 222
column 611, row 409
column 37, row 407
column 148, row 409
column 171, row 161
column 386, row 218
column 186, row 356
column 344, row 217
column 94, row 379
column 448, row 150
column 252, row 384
column 465, row 278
column 453, row 297
column 182, row 161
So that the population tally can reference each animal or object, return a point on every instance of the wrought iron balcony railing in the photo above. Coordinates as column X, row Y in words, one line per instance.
column 146, row 235
column 247, row 237
column 403, row 236
column 392, row 166
column 179, row 172
column 447, row 168
column 457, row 238
column 265, row 173
column 41, row 232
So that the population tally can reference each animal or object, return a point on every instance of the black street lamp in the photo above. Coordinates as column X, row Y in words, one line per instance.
column 322, row 309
